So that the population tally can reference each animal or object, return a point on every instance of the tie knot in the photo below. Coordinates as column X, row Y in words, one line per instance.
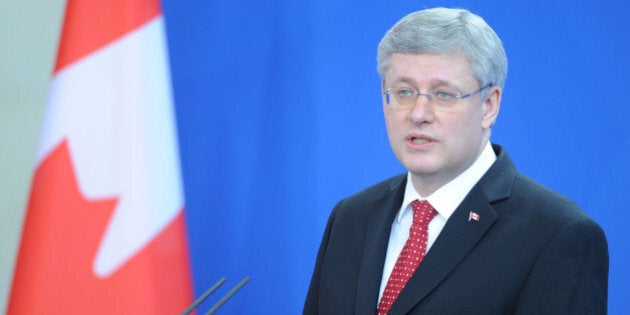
column 423, row 211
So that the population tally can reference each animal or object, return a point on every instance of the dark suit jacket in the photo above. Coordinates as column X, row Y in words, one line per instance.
column 531, row 252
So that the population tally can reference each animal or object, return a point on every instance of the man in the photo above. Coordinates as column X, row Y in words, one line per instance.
column 463, row 232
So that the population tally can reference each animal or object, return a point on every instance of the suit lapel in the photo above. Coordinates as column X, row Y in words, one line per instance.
column 375, row 246
column 460, row 235
column 456, row 240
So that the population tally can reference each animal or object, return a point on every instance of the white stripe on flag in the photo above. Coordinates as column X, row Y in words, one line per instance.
column 115, row 108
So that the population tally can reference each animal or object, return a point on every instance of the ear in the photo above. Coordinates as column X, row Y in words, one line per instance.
column 491, row 105
column 383, row 96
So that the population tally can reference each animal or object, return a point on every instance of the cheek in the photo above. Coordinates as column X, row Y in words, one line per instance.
column 471, row 121
column 464, row 129
column 392, row 122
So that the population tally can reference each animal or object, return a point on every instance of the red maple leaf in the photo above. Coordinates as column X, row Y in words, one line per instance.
column 62, row 232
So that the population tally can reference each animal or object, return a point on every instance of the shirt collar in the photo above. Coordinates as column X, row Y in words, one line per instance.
column 446, row 199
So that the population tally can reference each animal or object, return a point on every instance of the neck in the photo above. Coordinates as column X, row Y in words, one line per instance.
column 427, row 184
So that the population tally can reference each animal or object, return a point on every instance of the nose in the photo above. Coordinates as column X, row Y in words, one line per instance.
column 422, row 111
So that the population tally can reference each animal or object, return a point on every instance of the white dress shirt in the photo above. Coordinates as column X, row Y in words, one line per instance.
column 445, row 200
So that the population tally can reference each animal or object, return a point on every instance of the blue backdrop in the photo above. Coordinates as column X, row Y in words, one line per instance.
column 279, row 116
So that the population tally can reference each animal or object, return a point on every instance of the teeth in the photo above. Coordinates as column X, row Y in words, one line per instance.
column 419, row 140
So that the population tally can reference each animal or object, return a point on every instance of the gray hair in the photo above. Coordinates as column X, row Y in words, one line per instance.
column 446, row 31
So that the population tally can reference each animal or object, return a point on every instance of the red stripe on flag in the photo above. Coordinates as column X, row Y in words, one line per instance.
column 62, row 231
column 92, row 24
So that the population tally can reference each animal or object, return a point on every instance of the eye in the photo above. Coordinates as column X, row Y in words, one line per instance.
column 405, row 93
column 444, row 95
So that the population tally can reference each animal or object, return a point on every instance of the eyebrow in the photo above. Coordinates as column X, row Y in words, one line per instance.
column 433, row 83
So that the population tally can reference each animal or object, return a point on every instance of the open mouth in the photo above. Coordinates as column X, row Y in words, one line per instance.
column 419, row 139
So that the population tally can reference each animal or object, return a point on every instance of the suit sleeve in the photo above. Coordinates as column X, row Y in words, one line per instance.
column 571, row 274
column 311, row 305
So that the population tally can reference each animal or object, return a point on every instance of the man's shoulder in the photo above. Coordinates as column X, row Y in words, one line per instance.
column 376, row 192
column 544, row 203
column 520, row 195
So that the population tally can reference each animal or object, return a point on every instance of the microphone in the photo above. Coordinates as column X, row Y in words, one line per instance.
column 204, row 296
column 222, row 301
column 226, row 297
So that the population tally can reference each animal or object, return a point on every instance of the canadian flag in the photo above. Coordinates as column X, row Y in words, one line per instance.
column 104, row 231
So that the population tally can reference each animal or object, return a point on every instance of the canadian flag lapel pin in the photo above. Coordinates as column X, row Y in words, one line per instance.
column 473, row 216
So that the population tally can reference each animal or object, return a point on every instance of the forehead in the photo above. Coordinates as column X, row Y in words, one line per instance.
column 424, row 69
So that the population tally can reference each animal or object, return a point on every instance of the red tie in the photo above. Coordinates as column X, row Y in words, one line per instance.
column 410, row 256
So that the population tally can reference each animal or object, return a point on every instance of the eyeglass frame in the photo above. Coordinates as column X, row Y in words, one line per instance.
column 430, row 95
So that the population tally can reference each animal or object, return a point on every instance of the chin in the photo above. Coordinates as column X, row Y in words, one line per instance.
column 422, row 169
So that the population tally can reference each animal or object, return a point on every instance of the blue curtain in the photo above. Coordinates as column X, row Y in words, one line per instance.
column 279, row 116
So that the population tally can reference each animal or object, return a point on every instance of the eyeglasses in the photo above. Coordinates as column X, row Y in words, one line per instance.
column 405, row 98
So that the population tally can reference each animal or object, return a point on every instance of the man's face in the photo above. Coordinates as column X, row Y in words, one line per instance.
column 436, row 145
